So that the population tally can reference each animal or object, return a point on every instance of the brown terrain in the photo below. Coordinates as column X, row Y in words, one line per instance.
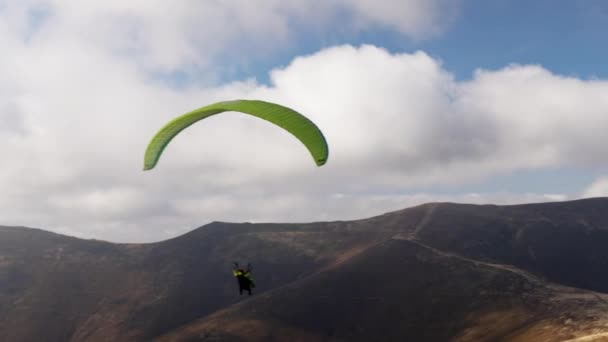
column 435, row 272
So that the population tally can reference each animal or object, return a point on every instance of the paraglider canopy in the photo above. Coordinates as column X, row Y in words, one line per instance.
column 295, row 123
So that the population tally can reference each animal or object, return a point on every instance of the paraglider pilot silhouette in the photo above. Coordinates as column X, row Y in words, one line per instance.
column 243, row 277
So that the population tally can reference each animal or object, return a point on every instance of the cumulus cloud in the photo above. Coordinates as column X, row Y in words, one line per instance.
column 170, row 36
column 77, row 113
column 599, row 188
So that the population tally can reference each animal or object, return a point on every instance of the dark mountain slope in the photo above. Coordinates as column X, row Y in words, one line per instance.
column 66, row 288
column 404, row 291
column 565, row 241
column 430, row 272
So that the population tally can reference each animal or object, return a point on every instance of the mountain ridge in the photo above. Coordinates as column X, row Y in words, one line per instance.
column 482, row 261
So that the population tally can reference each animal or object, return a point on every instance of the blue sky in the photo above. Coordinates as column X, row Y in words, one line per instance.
column 395, row 85
column 565, row 37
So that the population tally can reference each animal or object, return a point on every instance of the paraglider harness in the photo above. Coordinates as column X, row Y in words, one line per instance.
column 243, row 277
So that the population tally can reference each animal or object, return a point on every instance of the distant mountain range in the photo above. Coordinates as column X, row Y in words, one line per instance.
column 435, row 272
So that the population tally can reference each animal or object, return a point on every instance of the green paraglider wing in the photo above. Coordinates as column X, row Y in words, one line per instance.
column 293, row 122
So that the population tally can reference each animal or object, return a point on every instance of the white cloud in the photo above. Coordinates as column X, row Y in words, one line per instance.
column 599, row 188
column 77, row 112
column 555, row 197
column 169, row 36
column 415, row 18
